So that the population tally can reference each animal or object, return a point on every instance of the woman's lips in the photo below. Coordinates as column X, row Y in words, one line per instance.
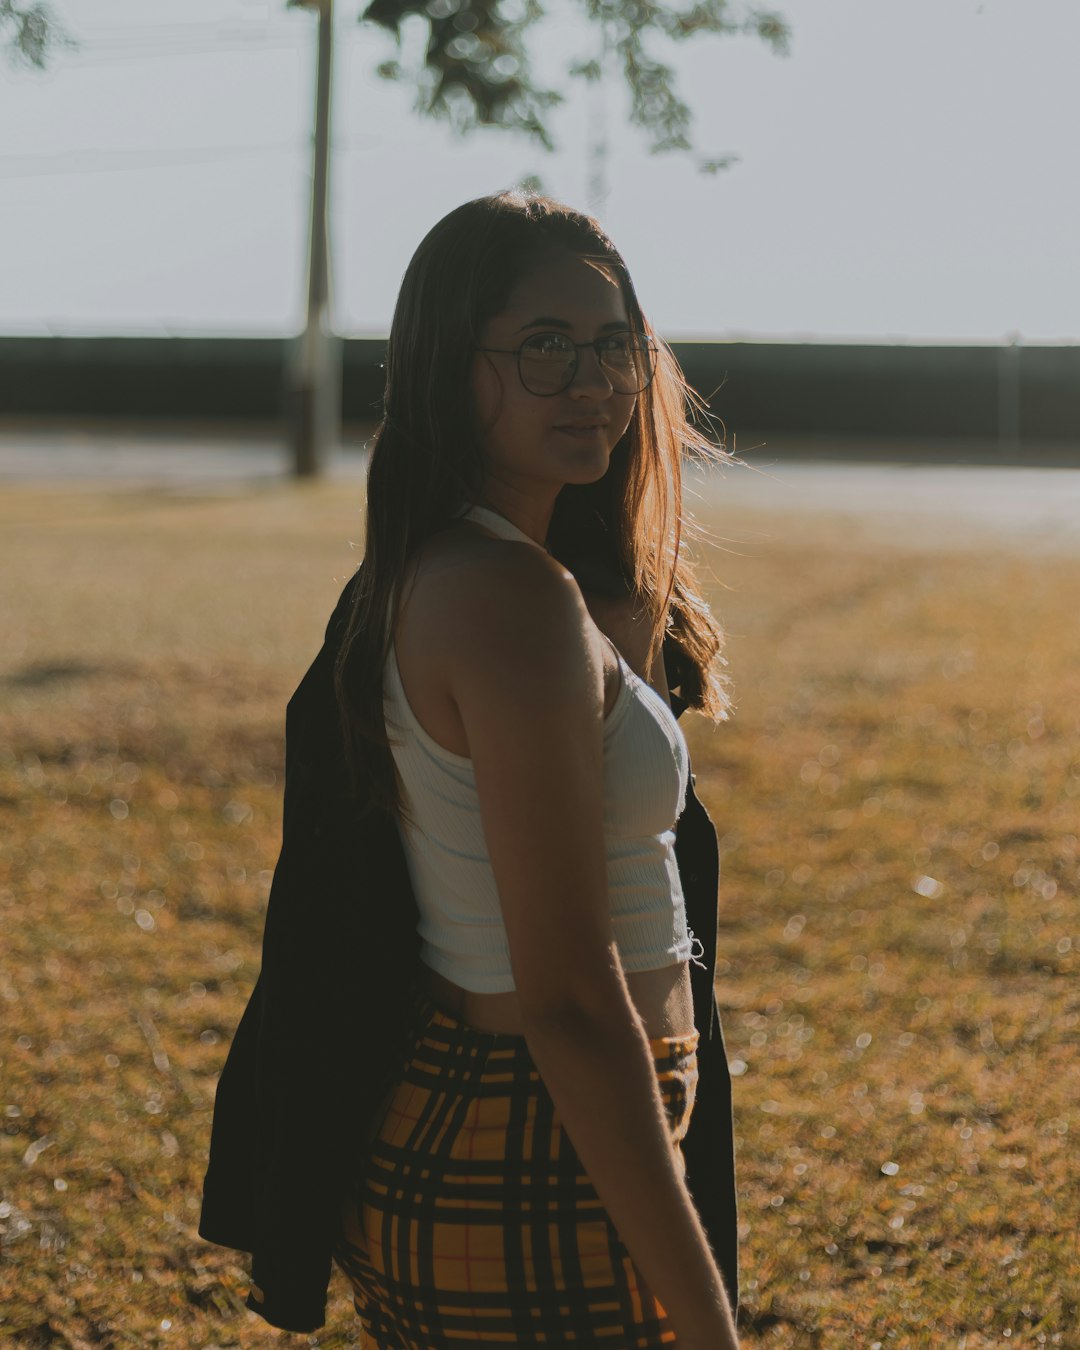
column 584, row 433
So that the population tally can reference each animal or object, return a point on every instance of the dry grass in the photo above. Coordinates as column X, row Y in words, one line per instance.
column 897, row 797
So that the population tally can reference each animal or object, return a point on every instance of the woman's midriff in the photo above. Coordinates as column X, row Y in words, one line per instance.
column 663, row 999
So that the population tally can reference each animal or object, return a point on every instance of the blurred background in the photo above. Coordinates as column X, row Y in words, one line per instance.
column 862, row 248
column 886, row 254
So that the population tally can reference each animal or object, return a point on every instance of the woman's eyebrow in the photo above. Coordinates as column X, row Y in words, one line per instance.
column 549, row 322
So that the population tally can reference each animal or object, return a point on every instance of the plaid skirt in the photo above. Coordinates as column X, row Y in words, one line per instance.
column 475, row 1220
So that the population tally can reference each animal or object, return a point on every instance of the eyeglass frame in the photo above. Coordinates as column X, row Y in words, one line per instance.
column 648, row 342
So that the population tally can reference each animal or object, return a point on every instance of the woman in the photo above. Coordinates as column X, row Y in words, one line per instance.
column 471, row 1061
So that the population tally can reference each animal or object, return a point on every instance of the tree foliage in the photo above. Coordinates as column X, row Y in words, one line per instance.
column 30, row 33
column 476, row 69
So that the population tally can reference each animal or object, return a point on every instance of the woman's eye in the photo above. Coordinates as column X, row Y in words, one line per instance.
column 546, row 344
column 618, row 343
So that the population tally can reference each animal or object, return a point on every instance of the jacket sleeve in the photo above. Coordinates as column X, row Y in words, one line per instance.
column 709, row 1146
column 313, row 1047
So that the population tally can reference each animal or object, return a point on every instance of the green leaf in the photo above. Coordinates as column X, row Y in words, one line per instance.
column 32, row 33
column 586, row 70
column 717, row 164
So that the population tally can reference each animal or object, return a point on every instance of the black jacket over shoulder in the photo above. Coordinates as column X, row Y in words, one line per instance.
column 325, row 1026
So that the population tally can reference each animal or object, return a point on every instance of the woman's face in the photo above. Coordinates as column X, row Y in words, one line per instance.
column 533, row 442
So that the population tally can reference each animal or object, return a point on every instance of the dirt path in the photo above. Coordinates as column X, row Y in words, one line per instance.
column 917, row 506
column 945, row 508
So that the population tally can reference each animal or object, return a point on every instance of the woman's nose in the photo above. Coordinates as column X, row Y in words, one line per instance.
column 590, row 378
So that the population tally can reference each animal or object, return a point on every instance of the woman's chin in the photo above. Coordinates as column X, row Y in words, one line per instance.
column 586, row 457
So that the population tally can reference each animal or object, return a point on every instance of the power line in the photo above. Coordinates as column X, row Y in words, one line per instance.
column 159, row 41
column 98, row 160
column 100, row 54
column 118, row 161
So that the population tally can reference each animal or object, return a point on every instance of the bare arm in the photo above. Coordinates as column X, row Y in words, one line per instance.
column 527, row 678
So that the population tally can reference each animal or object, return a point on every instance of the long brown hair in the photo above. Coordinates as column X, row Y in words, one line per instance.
column 619, row 536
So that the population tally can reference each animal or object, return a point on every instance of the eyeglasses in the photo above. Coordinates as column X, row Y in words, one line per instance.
column 548, row 362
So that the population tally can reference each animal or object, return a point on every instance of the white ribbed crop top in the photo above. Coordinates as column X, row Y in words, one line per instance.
column 646, row 764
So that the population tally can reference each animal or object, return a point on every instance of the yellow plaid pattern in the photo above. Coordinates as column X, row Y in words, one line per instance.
column 476, row 1222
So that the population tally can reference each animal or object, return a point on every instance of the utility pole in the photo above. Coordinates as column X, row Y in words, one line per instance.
column 313, row 377
column 1008, row 382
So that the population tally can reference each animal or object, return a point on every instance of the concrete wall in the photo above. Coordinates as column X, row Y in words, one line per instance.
column 898, row 391
column 1022, row 394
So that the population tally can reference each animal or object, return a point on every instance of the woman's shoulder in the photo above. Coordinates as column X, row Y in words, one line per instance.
column 472, row 596
column 463, row 573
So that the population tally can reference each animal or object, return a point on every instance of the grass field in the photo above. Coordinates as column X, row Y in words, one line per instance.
column 898, row 799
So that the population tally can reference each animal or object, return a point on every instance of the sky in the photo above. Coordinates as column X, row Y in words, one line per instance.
column 907, row 173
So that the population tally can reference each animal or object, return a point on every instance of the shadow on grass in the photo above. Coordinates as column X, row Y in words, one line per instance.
column 38, row 675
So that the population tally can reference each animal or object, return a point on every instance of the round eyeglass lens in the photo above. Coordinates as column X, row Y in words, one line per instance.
column 628, row 360
column 548, row 362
